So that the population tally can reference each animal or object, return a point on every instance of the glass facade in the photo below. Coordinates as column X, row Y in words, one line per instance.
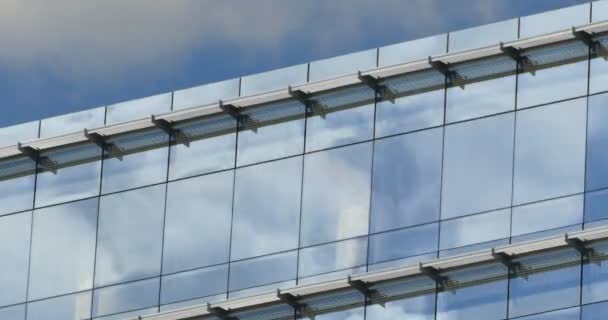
column 359, row 180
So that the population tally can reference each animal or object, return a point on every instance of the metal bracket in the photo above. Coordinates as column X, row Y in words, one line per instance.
column 312, row 107
column 35, row 156
column 220, row 312
column 235, row 113
column 168, row 128
column 579, row 246
column 433, row 274
column 584, row 37
column 375, row 85
column 443, row 68
column 506, row 261
column 516, row 55
column 290, row 300
column 359, row 285
column 101, row 142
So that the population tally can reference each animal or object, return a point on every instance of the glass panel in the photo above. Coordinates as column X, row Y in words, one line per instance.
column 17, row 185
column 412, row 50
column 595, row 274
column 475, row 229
column 410, row 261
column 192, row 303
column 130, row 235
column 598, row 73
column 336, row 197
column 211, row 147
column 274, row 80
column 403, row 243
column 13, row 312
column 128, row 315
column 206, row 94
column 478, row 159
column 409, row 113
column 474, row 247
column 595, row 205
column 600, row 11
column 550, row 151
column 197, row 226
column 263, row 289
column 418, row 308
column 547, row 215
column 194, row 284
column 406, row 180
column 545, row 234
column 595, row 311
column 332, row 275
column 342, row 65
column 63, row 249
column 483, row 36
column 541, row 286
column 76, row 307
column 264, row 270
column 14, row 230
column 125, row 297
column 9, row 136
column 332, row 257
column 556, row 20
column 597, row 142
column 266, row 208
column 565, row 314
column 138, row 109
column 73, row 122
column 352, row 314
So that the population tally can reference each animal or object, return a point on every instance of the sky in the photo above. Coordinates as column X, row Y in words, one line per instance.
column 63, row 56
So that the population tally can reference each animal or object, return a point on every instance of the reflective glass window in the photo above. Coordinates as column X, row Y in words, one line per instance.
column 409, row 261
column 595, row 206
column 17, row 185
column 342, row 65
column 564, row 314
column 412, row 50
column 406, row 180
column 194, row 284
column 409, row 113
column 478, row 160
column 555, row 20
column 75, row 306
column 474, row 247
column 547, row 215
column 266, row 208
column 130, row 233
column 126, row 297
column 138, row 109
column 211, row 147
column 350, row 314
column 600, row 11
column 264, row 270
column 479, row 228
column 420, row 307
column 13, row 312
column 193, row 302
column 129, row 315
column 197, row 225
column 73, row 122
column 595, row 274
column 598, row 66
column 403, row 243
column 536, row 290
column 597, row 142
column 206, row 94
column 336, row 194
column 9, row 136
column 274, row 80
column 15, row 253
column 483, row 36
column 550, row 151
column 340, row 128
column 331, row 257
column 596, row 311
column 63, row 249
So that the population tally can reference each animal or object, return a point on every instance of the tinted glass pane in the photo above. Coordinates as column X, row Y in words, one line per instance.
column 274, row 80
column 17, row 193
column 597, row 142
column 412, row 50
column 194, row 284
column 403, row 243
column 9, row 136
column 475, row 229
column 478, row 160
column 566, row 314
column 332, row 257
column 63, row 249
column 266, row 208
column 340, row 128
column 135, row 170
column 130, row 235
column 419, row 308
column 197, row 226
column 15, row 235
column 555, row 20
column 406, row 180
column 595, row 205
column 598, row 73
column 260, row 271
column 73, row 122
column 483, row 36
column 125, row 297
column 76, row 307
column 351, row 314
column 336, row 194
column 138, row 109
column 550, row 151
column 595, row 311
column 595, row 274
column 206, row 94
column 410, row 113
column 547, row 215
column 13, row 313
column 342, row 65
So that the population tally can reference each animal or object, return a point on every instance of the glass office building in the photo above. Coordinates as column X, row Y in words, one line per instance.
column 458, row 176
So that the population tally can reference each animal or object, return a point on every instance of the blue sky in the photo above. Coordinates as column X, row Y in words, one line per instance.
column 63, row 56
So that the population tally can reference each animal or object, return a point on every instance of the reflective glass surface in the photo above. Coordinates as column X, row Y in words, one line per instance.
column 342, row 65
column 13, row 313
column 135, row 170
column 125, row 297
column 412, row 50
column 351, row 314
column 547, row 215
column 63, row 249
column 73, row 122
column 478, row 159
column 475, row 229
column 600, row 11
column 555, row 20
column 274, row 80
column 597, row 142
column 565, row 314
column 75, row 306
column 483, row 36
column 418, row 308
column 18, row 193
column 410, row 113
column 406, row 180
column 542, row 168
column 595, row 205
column 595, row 274
column 596, row 311
column 194, row 284
column 197, row 225
column 130, row 234
column 266, row 208
column 206, row 94
column 9, row 136
column 336, row 194
column 264, row 270
column 138, row 109
column 15, row 237
column 331, row 257
column 598, row 66
column 403, row 243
